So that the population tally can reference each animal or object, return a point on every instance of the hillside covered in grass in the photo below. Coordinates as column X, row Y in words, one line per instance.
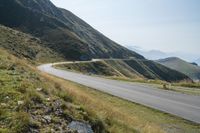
column 133, row 68
column 191, row 70
column 26, row 46
column 30, row 102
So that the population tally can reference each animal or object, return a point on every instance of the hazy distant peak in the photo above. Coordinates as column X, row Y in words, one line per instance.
column 170, row 59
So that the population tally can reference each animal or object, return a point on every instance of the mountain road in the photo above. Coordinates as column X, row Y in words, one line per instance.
column 178, row 104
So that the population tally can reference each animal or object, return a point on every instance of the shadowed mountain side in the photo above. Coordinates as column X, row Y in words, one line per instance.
column 64, row 32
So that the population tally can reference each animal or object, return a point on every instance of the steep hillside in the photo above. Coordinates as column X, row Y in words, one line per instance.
column 31, row 103
column 26, row 46
column 65, row 33
column 98, row 68
column 136, row 69
column 152, row 70
column 182, row 66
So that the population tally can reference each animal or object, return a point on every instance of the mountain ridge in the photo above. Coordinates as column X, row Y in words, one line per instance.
column 65, row 32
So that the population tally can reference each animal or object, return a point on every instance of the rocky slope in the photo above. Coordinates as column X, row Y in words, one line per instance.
column 30, row 102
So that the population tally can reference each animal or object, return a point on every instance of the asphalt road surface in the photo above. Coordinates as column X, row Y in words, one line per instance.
column 182, row 105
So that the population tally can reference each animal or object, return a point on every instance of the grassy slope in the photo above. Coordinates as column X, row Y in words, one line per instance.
column 25, row 46
column 182, row 66
column 19, row 82
column 121, row 116
column 23, row 106
column 98, row 68
column 133, row 68
column 152, row 70
column 124, row 69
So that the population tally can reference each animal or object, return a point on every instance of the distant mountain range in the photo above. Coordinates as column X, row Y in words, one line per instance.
column 171, row 60
column 182, row 66
column 156, row 54
column 64, row 32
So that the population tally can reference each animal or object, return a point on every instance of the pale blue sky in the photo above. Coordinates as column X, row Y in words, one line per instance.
column 166, row 25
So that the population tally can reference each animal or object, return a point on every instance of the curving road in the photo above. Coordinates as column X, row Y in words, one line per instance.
column 182, row 105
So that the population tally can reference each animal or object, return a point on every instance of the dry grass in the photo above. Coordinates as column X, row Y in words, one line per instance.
column 183, row 86
column 117, row 115
column 123, row 116
column 26, row 97
column 188, row 84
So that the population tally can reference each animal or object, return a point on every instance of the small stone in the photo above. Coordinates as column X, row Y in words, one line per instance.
column 32, row 130
column 48, row 99
column 48, row 110
column 3, row 104
column 84, row 113
column 47, row 118
column 80, row 127
column 52, row 130
column 59, row 112
column 43, row 120
column 20, row 102
column 39, row 89
column 7, row 97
